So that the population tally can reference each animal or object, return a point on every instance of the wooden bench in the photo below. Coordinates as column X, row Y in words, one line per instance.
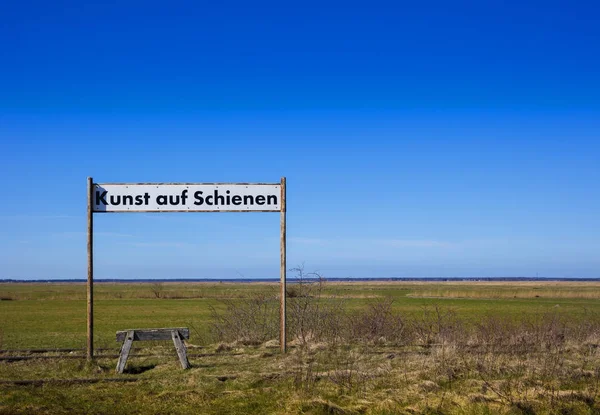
column 176, row 334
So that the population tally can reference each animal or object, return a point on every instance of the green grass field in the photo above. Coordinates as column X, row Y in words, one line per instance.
column 545, row 374
column 54, row 315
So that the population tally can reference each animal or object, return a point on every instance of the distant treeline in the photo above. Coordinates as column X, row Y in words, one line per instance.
column 292, row 279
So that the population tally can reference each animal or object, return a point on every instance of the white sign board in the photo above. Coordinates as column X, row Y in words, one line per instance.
column 186, row 197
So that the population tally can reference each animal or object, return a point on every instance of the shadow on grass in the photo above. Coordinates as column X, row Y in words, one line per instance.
column 136, row 370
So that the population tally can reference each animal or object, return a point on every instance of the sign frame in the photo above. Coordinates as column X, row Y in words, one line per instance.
column 91, row 188
column 188, row 195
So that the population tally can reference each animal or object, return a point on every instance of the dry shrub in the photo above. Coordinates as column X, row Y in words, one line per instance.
column 314, row 318
column 250, row 321
column 546, row 333
column 310, row 317
column 437, row 325
column 157, row 289
column 378, row 324
column 304, row 305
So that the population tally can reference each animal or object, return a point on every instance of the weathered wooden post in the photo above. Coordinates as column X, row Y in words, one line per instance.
column 282, row 306
column 90, row 276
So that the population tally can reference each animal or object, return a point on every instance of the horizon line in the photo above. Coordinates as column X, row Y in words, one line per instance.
column 294, row 279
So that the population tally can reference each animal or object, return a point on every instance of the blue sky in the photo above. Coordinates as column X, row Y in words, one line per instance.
column 429, row 140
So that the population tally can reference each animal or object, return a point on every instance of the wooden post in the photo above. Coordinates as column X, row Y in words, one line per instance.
column 282, row 306
column 90, row 276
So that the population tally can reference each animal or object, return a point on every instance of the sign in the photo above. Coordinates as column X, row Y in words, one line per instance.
column 187, row 197
column 184, row 197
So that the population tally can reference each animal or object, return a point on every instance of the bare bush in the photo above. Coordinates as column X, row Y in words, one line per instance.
column 304, row 305
column 311, row 317
column 157, row 289
column 250, row 321
column 492, row 346
column 378, row 324
column 437, row 325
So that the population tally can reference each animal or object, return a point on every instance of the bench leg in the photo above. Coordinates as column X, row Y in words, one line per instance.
column 125, row 348
column 181, row 349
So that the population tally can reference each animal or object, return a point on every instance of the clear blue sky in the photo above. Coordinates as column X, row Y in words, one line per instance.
column 418, row 139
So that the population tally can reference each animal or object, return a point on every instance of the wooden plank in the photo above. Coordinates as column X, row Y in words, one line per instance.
column 181, row 349
column 153, row 334
column 90, row 276
column 282, row 295
column 125, row 352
